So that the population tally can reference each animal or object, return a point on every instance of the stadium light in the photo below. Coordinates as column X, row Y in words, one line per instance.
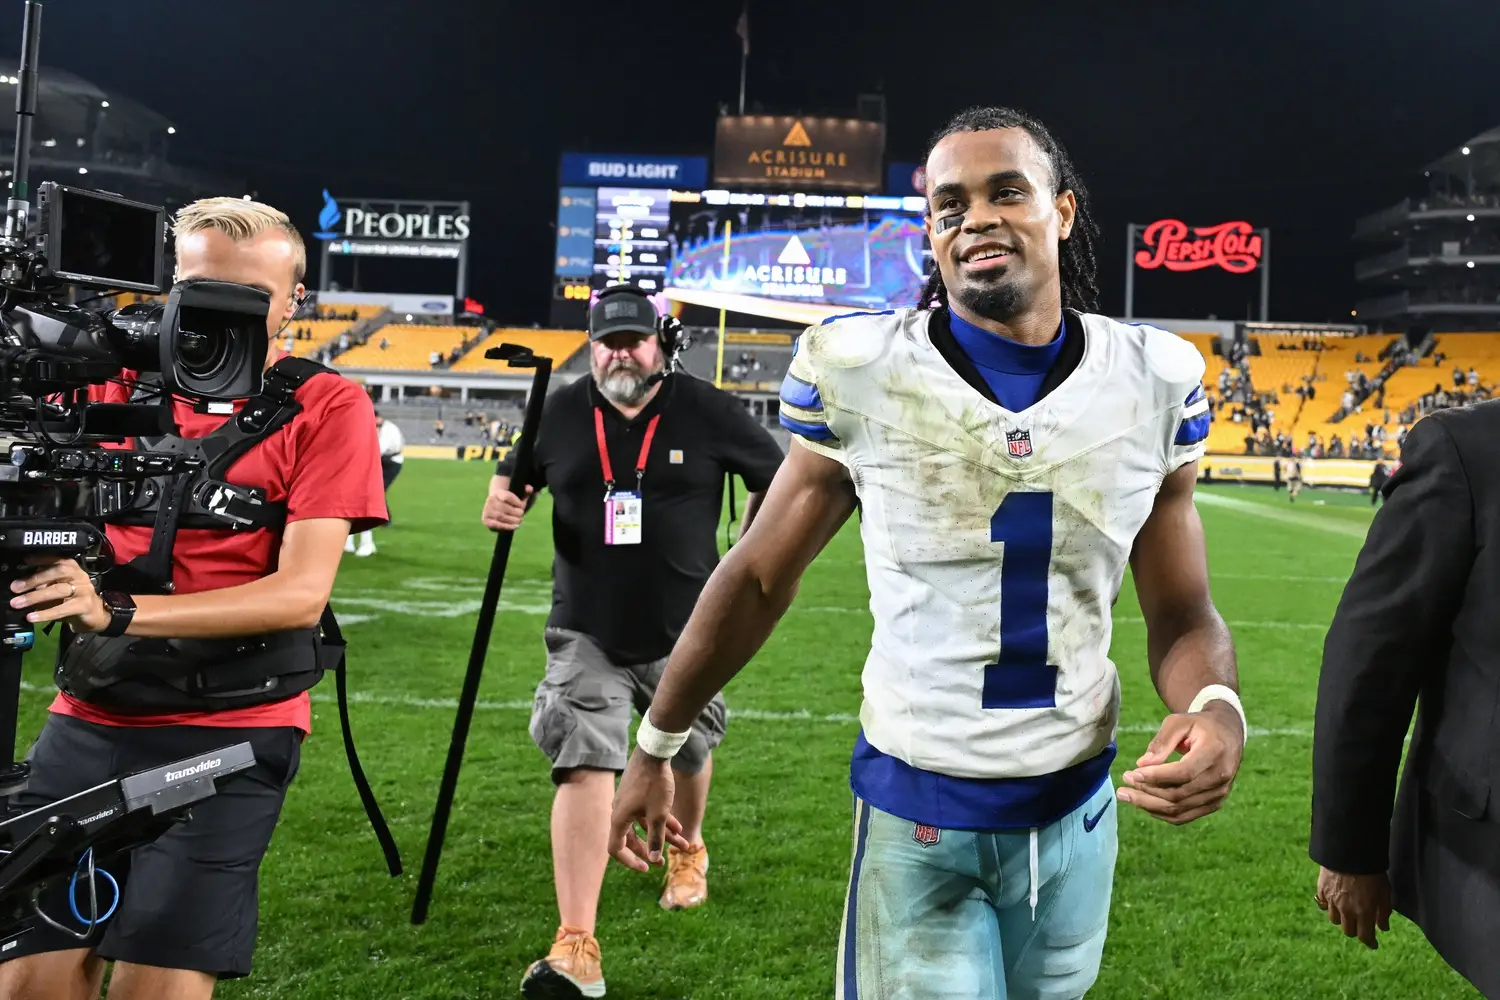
column 105, row 104
column 84, row 170
column 1471, row 216
column 1353, row 312
column 171, row 130
column 1465, row 150
column 1471, row 263
column 49, row 143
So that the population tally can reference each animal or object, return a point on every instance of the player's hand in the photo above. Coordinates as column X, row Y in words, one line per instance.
column 1360, row 903
column 61, row 591
column 503, row 510
column 1211, row 743
column 644, row 797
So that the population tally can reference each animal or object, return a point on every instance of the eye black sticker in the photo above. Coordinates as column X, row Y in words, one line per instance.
column 947, row 222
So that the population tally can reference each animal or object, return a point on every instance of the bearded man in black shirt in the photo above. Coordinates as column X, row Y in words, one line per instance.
column 636, row 459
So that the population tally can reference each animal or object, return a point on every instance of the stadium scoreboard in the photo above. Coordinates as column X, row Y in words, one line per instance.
column 630, row 237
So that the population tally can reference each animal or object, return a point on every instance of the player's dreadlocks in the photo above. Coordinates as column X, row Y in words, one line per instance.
column 1075, row 255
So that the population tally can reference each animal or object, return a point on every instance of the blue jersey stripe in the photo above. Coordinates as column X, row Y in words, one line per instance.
column 851, row 919
column 813, row 432
column 1195, row 395
column 883, row 312
column 802, row 395
column 1193, row 429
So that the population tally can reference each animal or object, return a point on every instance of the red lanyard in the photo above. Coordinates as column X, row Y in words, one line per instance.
column 640, row 465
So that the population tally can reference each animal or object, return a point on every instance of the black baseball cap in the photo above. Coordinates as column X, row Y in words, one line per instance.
column 622, row 309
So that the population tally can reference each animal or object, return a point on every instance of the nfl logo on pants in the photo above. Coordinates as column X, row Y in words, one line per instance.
column 925, row 835
column 1018, row 443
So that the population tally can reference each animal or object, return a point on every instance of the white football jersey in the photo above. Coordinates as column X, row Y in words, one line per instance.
column 995, row 542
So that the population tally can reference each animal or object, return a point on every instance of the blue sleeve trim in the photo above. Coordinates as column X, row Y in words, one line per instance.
column 802, row 395
column 1193, row 429
column 813, row 432
column 1195, row 395
column 883, row 312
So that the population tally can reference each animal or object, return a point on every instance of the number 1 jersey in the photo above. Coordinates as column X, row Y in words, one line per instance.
column 995, row 544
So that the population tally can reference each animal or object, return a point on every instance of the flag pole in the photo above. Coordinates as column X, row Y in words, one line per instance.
column 719, row 369
column 744, row 58
column 743, row 30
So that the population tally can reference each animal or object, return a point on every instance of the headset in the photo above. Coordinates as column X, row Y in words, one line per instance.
column 669, row 331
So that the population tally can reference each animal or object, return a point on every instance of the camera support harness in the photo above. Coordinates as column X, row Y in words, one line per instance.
column 175, row 675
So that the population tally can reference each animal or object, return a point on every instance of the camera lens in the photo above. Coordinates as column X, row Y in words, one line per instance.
column 204, row 355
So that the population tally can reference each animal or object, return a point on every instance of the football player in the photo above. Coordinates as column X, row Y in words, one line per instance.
column 1010, row 453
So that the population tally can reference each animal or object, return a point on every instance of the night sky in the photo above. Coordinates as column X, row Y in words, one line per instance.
column 1299, row 116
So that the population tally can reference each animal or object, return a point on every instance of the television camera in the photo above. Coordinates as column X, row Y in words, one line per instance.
column 206, row 343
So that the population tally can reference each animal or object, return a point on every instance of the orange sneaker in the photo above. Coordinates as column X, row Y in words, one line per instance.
column 570, row 970
column 687, row 878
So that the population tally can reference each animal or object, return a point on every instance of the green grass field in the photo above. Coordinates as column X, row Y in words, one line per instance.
column 1221, row 908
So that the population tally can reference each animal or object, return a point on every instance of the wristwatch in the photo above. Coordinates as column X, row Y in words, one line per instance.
column 121, row 608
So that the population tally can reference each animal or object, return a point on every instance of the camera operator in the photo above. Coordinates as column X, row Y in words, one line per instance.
column 188, row 903
column 636, row 460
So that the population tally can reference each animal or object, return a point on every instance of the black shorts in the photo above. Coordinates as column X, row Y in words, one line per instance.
column 389, row 470
column 189, row 900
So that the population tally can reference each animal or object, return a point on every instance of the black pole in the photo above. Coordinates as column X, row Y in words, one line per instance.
column 18, row 207
column 521, row 474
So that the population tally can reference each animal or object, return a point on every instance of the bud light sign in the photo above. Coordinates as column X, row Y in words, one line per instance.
column 623, row 170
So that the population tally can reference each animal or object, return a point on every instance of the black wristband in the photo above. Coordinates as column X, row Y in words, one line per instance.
column 121, row 608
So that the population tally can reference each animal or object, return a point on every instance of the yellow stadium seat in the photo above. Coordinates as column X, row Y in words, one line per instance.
column 559, row 345
column 323, row 330
column 409, row 347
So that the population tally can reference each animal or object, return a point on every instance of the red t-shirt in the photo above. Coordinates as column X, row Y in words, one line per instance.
column 324, row 463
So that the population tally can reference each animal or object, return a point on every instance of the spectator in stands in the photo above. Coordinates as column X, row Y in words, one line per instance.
column 1378, row 478
column 627, row 573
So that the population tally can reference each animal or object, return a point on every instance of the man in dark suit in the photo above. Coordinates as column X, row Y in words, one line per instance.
column 1419, row 626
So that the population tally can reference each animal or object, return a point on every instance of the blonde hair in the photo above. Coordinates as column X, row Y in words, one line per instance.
column 241, row 219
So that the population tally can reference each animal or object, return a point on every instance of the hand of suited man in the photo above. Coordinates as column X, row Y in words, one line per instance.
column 503, row 510
column 1358, row 903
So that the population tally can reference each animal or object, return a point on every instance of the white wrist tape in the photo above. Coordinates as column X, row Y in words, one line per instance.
column 1218, row 692
column 657, row 743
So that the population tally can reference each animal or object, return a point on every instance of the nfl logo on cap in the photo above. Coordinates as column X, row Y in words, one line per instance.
column 1018, row 443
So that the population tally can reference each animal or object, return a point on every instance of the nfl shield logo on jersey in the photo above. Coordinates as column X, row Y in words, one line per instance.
column 1018, row 443
column 925, row 835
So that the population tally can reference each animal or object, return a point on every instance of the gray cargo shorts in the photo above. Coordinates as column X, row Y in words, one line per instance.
column 581, row 715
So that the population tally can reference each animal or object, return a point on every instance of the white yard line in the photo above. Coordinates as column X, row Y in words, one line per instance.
column 748, row 714
column 1285, row 516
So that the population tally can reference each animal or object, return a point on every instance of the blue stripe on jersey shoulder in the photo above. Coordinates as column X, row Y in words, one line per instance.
column 1193, row 429
column 813, row 432
column 883, row 312
column 1194, row 396
column 802, row 395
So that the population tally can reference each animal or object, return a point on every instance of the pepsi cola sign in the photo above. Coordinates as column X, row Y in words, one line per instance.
column 1170, row 243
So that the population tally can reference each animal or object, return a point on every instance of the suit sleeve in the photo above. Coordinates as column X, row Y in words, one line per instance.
column 1391, row 629
column 801, row 405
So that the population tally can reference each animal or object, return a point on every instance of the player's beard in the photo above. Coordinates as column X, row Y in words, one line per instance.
column 1000, row 300
column 623, row 382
